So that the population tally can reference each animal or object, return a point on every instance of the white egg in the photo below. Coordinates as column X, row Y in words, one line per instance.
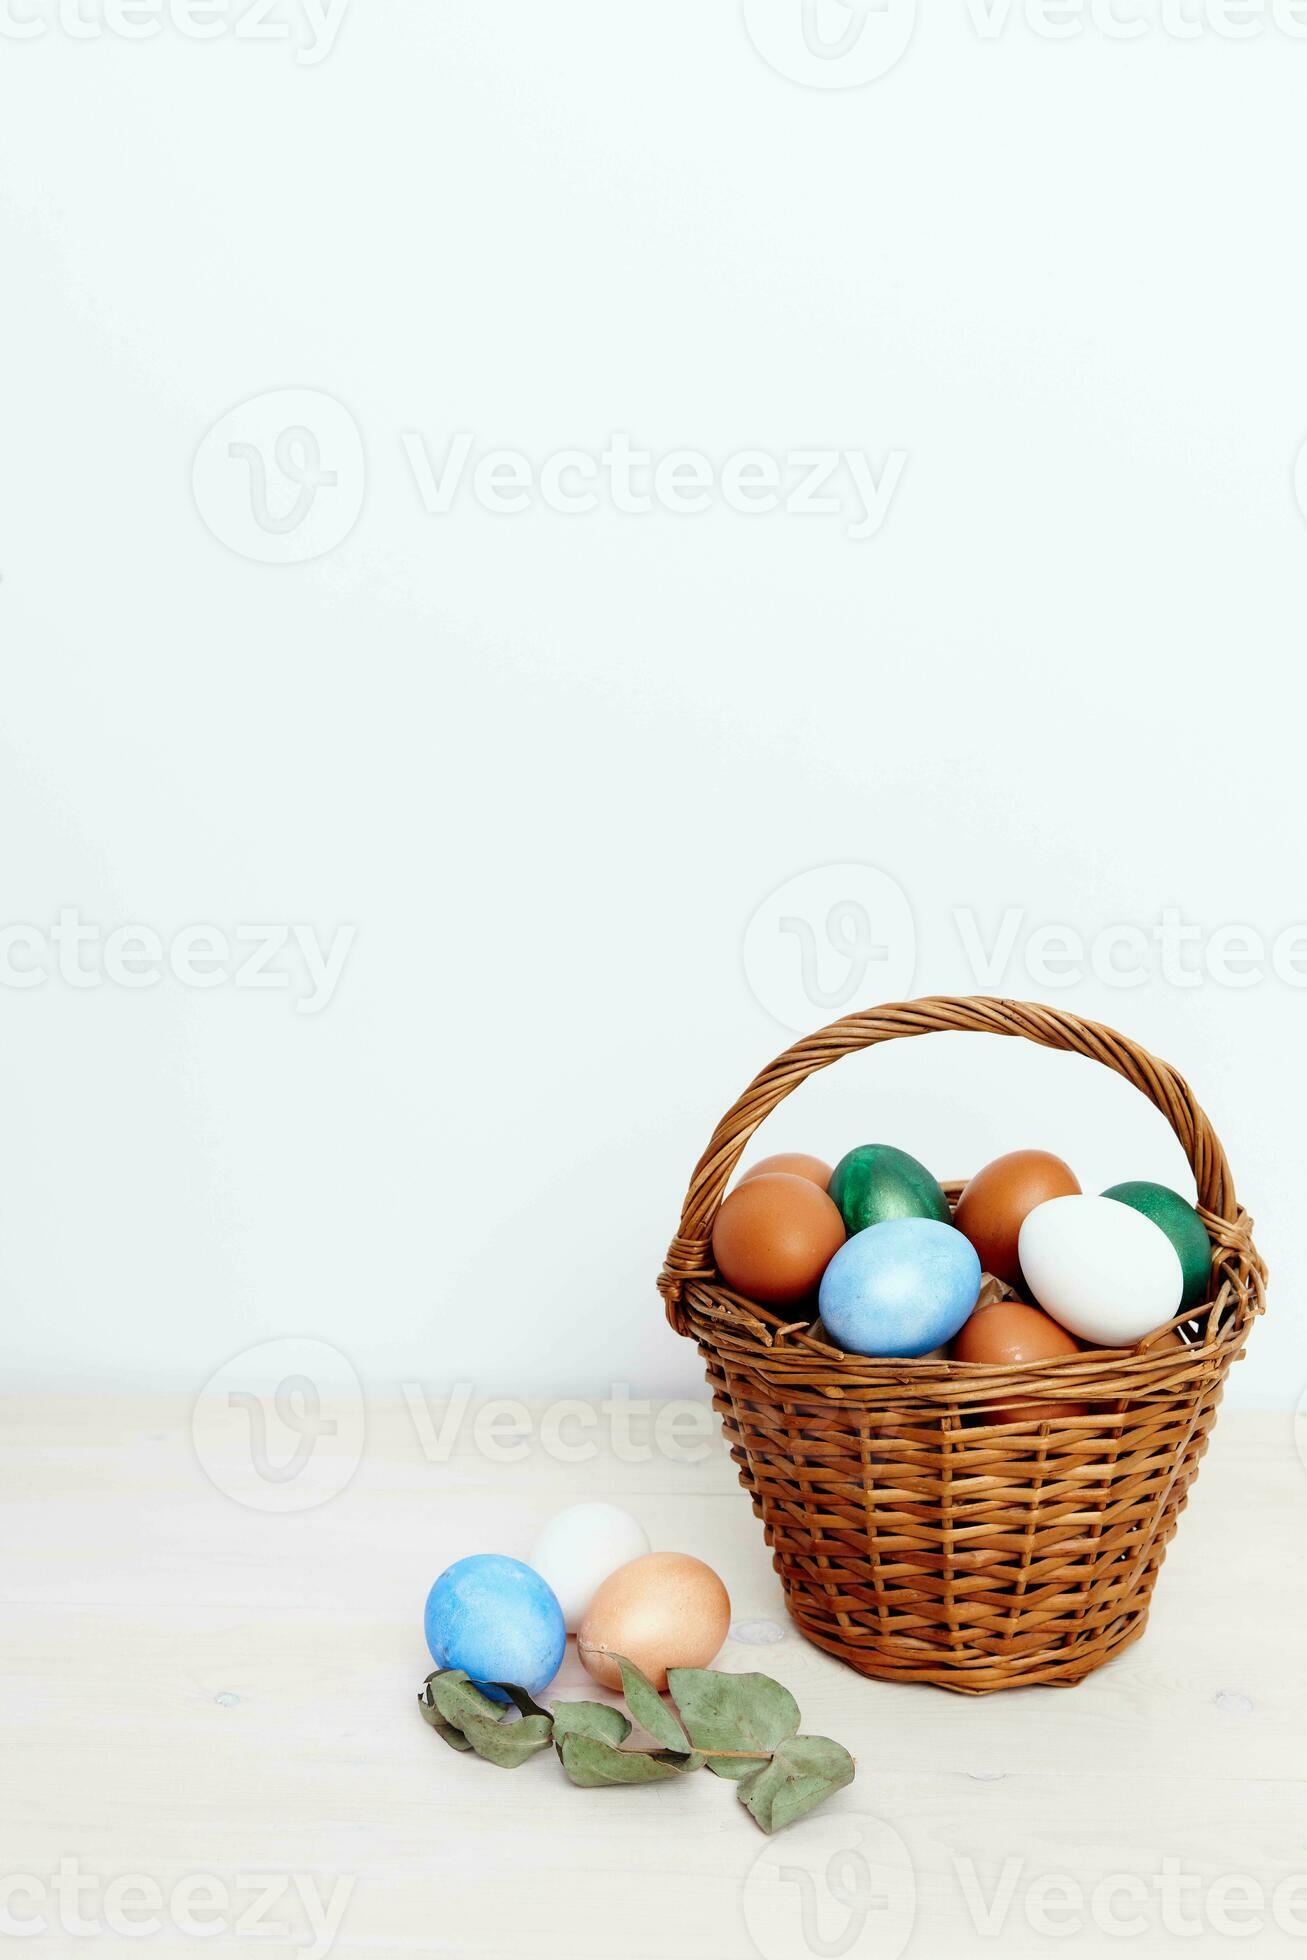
column 578, row 1549
column 1100, row 1267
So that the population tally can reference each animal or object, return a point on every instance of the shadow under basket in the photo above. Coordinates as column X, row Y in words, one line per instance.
column 920, row 1532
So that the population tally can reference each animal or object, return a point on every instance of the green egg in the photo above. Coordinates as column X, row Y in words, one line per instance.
column 1182, row 1225
column 876, row 1182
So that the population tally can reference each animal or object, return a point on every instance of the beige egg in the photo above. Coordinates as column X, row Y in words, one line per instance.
column 663, row 1610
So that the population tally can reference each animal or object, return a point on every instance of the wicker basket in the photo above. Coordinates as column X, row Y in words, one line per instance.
column 916, row 1536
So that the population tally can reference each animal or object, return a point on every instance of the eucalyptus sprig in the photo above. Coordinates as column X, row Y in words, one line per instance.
column 740, row 1726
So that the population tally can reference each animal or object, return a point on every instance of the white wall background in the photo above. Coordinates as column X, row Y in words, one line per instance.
column 549, row 766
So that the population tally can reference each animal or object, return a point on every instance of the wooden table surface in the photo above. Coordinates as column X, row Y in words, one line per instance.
column 209, row 1719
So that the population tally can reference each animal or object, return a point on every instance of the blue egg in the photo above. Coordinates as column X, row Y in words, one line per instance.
column 497, row 1619
column 902, row 1287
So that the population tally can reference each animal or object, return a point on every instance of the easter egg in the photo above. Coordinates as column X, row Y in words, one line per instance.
column 793, row 1163
column 1101, row 1268
column 1007, row 1333
column 774, row 1236
column 876, row 1182
column 1182, row 1225
column 664, row 1610
column 900, row 1288
column 998, row 1199
column 498, row 1620
column 578, row 1549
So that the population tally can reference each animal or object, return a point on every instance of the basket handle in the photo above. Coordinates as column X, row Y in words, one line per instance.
column 688, row 1256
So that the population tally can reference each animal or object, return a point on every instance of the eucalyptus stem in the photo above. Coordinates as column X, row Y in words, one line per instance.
column 692, row 1729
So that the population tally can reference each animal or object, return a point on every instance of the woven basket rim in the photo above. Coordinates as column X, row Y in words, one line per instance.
column 700, row 1305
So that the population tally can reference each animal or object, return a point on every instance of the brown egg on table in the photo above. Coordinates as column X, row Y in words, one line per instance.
column 1007, row 1333
column 994, row 1205
column 791, row 1163
column 663, row 1610
column 774, row 1237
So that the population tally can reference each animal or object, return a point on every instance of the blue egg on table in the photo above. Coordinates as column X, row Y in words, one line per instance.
column 899, row 1288
column 498, row 1620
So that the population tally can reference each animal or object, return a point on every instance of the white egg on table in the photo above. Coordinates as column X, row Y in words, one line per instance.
column 577, row 1550
column 1101, row 1268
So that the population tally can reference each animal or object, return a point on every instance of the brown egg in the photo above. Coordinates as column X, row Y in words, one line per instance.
column 994, row 1205
column 774, row 1237
column 663, row 1610
column 1006, row 1333
column 793, row 1163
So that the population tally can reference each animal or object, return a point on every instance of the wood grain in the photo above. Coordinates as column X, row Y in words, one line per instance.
column 191, row 1687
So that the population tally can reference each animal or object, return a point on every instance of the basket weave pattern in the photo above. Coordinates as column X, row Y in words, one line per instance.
column 917, row 1537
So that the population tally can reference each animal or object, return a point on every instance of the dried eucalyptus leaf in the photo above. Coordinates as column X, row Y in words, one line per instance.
column 677, row 1759
column 589, row 1718
column 521, row 1700
column 733, row 1711
column 432, row 1715
column 649, row 1709
column 805, row 1770
column 457, row 1697
column 510, row 1744
column 464, row 1708
column 592, row 1764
